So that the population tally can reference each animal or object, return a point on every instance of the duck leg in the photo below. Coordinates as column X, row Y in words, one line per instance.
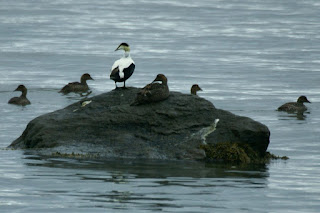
column 124, row 85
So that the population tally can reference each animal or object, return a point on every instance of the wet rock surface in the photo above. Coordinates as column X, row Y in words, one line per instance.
column 109, row 127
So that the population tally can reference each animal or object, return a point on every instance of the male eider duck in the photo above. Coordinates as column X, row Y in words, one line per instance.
column 195, row 88
column 122, row 68
column 295, row 106
column 153, row 92
column 76, row 86
column 22, row 100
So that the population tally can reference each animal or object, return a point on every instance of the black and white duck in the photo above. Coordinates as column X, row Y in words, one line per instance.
column 123, row 68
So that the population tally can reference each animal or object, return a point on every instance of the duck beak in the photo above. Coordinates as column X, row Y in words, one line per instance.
column 308, row 101
column 118, row 48
column 15, row 90
column 91, row 78
column 200, row 89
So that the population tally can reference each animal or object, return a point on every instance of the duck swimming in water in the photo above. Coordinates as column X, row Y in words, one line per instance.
column 122, row 68
column 195, row 88
column 22, row 100
column 153, row 92
column 76, row 86
column 295, row 106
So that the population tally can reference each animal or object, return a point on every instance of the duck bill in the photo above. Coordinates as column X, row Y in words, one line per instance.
column 118, row 48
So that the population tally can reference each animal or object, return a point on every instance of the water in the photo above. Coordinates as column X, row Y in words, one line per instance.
column 249, row 57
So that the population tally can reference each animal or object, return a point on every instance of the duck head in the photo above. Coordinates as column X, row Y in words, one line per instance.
column 21, row 88
column 303, row 99
column 123, row 46
column 85, row 77
column 195, row 88
column 162, row 78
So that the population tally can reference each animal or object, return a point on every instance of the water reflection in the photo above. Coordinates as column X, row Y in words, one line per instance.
column 121, row 170
column 293, row 115
column 136, row 184
column 77, row 96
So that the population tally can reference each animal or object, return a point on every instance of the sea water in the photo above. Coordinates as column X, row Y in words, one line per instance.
column 248, row 56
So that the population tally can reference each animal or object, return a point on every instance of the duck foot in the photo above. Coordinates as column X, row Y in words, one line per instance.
column 120, row 88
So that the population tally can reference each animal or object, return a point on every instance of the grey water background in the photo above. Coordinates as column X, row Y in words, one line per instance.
column 248, row 56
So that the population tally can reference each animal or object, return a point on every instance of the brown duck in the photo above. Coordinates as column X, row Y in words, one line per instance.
column 153, row 92
column 76, row 86
column 295, row 106
column 22, row 100
column 195, row 88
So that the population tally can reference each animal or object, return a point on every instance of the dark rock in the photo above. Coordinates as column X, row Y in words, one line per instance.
column 170, row 129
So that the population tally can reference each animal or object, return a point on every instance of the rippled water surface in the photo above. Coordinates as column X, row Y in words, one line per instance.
column 248, row 56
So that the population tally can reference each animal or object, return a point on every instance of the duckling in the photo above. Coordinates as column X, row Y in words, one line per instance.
column 76, row 86
column 195, row 88
column 153, row 92
column 123, row 68
column 22, row 100
column 295, row 106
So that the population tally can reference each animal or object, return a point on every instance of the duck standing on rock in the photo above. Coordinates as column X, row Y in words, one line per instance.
column 295, row 106
column 22, row 100
column 122, row 68
column 153, row 92
column 195, row 88
column 76, row 86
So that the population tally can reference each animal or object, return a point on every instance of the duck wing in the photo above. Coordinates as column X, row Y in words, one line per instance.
column 19, row 101
column 74, row 87
column 14, row 100
column 115, row 74
column 153, row 92
column 24, row 101
column 292, row 106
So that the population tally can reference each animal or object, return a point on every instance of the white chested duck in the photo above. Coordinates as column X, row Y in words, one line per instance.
column 195, row 88
column 122, row 68
column 76, row 86
column 153, row 92
column 295, row 106
column 22, row 100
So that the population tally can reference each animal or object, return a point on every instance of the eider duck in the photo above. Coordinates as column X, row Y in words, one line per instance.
column 122, row 68
column 195, row 88
column 153, row 92
column 22, row 100
column 295, row 106
column 76, row 86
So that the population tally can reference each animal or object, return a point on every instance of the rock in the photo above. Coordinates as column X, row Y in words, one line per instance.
column 171, row 129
